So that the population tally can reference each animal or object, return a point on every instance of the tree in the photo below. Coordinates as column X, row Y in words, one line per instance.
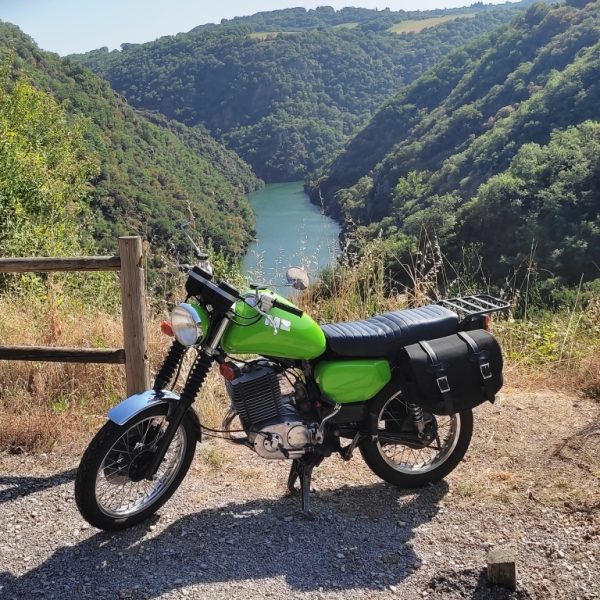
column 46, row 169
column 578, row 3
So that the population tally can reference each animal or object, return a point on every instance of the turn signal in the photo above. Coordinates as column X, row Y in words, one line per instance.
column 486, row 322
column 228, row 371
column 166, row 328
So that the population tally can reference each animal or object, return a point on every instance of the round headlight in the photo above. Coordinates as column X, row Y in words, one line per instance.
column 186, row 324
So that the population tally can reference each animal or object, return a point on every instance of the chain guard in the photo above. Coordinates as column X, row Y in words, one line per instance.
column 411, row 439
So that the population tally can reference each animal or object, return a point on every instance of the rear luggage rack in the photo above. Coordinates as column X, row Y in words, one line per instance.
column 478, row 304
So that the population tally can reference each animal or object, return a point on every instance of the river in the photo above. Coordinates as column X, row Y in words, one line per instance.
column 289, row 231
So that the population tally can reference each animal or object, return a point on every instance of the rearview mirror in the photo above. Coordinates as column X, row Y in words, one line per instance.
column 297, row 278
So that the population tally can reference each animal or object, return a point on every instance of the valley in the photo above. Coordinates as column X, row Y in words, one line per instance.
column 401, row 157
column 287, row 89
column 290, row 231
column 500, row 136
column 416, row 130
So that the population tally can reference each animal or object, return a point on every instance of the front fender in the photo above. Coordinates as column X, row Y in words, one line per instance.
column 130, row 407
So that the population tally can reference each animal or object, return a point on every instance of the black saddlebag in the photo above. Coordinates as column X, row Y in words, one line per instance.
column 452, row 373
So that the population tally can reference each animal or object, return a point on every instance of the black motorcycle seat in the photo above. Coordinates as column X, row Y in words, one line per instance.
column 383, row 335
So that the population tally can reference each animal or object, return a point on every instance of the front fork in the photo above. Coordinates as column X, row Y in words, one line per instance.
column 192, row 386
column 170, row 365
column 178, row 409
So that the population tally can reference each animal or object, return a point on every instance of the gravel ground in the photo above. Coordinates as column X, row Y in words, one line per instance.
column 231, row 532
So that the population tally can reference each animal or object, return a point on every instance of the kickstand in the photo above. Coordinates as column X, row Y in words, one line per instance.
column 302, row 470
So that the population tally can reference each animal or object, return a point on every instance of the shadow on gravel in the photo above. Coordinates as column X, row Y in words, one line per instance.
column 473, row 584
column 360, row 539
column 18, row 487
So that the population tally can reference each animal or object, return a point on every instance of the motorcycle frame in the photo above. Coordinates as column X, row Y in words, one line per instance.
column 353, row 420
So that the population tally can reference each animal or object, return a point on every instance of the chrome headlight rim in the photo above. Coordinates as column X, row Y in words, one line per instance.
column 188, row 332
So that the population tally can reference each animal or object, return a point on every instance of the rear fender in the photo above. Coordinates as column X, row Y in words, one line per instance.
column 132, row 406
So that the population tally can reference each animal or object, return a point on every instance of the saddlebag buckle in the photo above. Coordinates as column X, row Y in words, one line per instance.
column 486, row 371
column 443, row 384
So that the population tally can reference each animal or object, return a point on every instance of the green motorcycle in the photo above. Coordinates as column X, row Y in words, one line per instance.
column 400, row 387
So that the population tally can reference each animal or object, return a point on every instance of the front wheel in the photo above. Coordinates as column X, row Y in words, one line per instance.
column 110, row 490
column 408, row 466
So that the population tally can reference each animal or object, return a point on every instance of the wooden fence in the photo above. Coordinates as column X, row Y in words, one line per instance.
column 134, row 355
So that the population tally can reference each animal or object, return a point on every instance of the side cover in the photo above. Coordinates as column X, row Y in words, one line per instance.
column 346, row 381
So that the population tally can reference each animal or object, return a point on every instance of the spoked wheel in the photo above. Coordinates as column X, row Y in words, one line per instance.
column 409, row 465
column 111, row 489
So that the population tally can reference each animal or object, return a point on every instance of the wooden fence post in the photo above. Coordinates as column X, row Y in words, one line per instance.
column 133, row 300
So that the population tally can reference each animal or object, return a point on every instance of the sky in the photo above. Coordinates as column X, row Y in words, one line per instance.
column 68, row 26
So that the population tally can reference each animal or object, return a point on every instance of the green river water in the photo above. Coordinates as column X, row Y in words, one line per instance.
column 290, row 231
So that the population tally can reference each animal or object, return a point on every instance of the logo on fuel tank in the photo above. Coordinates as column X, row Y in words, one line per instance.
column 277, row 323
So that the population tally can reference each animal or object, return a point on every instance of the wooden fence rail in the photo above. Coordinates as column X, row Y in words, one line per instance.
column 53, row 354
column 46, row 264
column 133, row 300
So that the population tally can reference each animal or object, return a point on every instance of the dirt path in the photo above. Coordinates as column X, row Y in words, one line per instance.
column 230, row 531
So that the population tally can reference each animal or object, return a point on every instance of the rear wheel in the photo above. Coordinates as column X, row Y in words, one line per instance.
column 110, row 488
column 408, row 466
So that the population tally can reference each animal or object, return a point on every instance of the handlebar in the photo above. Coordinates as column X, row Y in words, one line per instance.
column 287, row 308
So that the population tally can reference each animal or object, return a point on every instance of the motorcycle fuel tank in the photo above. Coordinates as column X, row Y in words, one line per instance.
column 280, row 334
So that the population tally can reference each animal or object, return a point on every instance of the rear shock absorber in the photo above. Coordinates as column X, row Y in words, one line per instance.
column 169, row 366
column 416, row 412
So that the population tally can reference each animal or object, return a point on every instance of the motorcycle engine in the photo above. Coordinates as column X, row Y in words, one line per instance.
column 274, row 427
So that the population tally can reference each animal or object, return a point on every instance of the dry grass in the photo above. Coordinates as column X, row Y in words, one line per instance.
column 356, row 288
column 47, row 404
column 349, row 25
column 416, row 25
column 538, row 444
column 554, row 350
column 214, row 457
column 269, row 35
column 539, row 447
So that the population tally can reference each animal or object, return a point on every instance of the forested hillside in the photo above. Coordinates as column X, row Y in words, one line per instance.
column 286, row 88
column 365, row 19
column 490, row 150
column 136, row 174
